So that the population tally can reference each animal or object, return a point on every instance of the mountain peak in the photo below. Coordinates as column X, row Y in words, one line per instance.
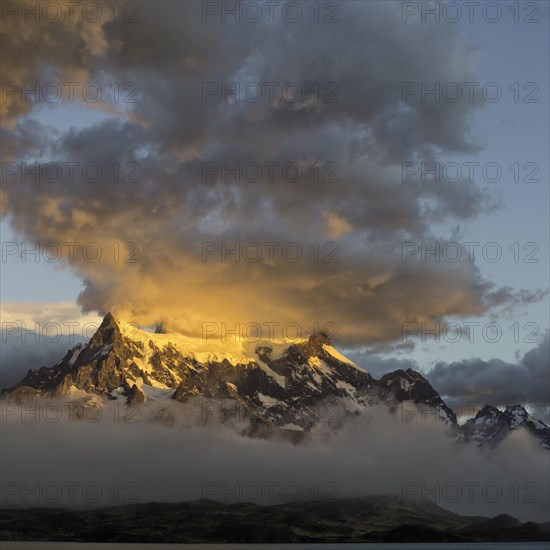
column 487, row 410
column 319, row 338
column 107, row 333
column 491, row 425
column 277, row 384
column 109, row 319
column 517, row 409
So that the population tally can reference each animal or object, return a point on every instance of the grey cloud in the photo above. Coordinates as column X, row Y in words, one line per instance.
column 379, row 364
column 169, row 212
column 498, row 382
column 18, row 355
column 171, row 465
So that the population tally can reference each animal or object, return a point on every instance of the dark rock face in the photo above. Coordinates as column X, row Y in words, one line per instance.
column 298, row 388
column 490, row 426
column 410, row 385
column 135, row 396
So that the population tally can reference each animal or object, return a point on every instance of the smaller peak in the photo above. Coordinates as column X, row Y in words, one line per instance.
column 263, row 352
column 487, row 410
column 107, row 332
column 517, row 410
column 109, row 320
column 398, row 373
column 414, row 373
column 319, row 338
column 160, row 328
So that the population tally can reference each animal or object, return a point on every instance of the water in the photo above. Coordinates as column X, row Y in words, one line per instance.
column 421, row 546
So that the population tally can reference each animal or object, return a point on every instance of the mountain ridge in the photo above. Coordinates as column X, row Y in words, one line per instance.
column 278, row 385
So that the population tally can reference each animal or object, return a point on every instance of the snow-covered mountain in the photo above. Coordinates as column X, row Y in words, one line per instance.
column 291, row 388
column 490, row 426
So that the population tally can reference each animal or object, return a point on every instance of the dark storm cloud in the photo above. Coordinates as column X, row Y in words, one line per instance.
column 497, row 382
column 169, row 212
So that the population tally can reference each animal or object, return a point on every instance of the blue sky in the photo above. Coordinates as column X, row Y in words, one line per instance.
column 509, row 52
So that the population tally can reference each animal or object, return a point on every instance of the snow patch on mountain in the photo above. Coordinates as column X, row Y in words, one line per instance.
column 271, row 373
column 76, row 352
column 153, row 393
column 203, row 350
column 337, row 355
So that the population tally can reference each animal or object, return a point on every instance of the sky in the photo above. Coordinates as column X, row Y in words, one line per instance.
column 161, row 227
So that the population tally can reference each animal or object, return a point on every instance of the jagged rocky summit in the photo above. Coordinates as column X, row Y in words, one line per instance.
column 276, row 385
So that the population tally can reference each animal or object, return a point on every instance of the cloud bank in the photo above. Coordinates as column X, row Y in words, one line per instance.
column 498, row 382
column 167, row 213
column 376, row 454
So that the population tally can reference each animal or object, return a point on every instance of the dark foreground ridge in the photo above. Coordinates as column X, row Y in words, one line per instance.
column 367, row 519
